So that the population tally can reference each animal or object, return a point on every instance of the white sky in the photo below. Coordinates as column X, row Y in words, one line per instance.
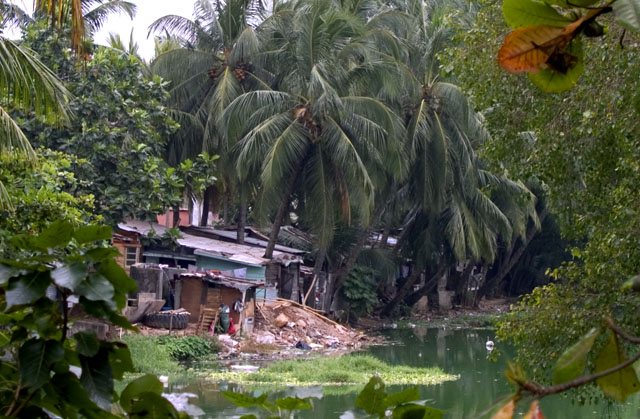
column 148, row 11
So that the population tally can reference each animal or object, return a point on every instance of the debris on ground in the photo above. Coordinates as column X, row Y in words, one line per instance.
column 287, row 323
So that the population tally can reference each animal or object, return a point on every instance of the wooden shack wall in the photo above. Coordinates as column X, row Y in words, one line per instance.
column 191, row 297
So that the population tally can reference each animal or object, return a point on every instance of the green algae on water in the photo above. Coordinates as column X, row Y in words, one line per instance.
column 345, row 370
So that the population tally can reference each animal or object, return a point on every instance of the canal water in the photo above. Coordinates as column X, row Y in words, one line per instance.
column 461, row 352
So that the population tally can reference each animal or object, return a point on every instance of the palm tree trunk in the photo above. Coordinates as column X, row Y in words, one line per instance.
column 206, row 199
column 428, row 286
column 512, row 259
column 176, row 216
column 385, row 236
column 403, row 291
column 354, row 251
column 242, row 216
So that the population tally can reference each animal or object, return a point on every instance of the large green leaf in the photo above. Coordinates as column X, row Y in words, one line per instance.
column 36, row 357
column 622, row 383
column 153, row 406
column 627, row 14
column 92, row 233
column 293, row 403
column 416, row 411
column 146, row 383
column 27, row 289
column 552, row 81
column 86, row 343
column 242, row 400
column 431, row 413
column 119, row 278
column 520, row 13
column 120, row 359
column 97, row 378
column 56, row 234
column 70, row 390
column 571, row 363
column 96, row 288
column 572, row 3
column 405, row 396
column 7, row 272
column 371, row 398
column 101, row 253
column 69, row 276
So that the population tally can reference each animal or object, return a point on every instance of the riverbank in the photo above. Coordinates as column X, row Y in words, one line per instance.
column 483, row 317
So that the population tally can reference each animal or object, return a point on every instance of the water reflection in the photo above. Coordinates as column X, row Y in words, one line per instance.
column 461, row 352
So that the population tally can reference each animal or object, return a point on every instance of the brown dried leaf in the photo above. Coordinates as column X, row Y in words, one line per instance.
column 534, row 411
column 506, row 412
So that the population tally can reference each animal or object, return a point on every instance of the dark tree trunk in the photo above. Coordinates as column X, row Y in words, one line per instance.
column 403, row 291
column 511, row 260
column 225, row 209
column 462, row 285
column 190, row 208
column 176, row 216
column 354, row 251
column 206, row 200
column 429, row 286
column 242, row 216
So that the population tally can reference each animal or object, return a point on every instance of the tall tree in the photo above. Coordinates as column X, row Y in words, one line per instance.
column 213, row 66
column 320, row 130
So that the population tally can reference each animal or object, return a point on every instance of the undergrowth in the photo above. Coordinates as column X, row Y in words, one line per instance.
column 160, row 354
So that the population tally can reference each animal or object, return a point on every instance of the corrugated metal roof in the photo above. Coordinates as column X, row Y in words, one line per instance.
column 233, row 235
column 230, row 251
column 237, row 283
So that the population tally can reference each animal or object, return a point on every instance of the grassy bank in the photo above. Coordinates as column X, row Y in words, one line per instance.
column 160, row 355
column 348, row 369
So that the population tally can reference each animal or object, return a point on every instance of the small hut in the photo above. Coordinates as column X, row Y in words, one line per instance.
column 203, row 292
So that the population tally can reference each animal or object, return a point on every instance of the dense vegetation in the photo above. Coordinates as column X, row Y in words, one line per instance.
column 343, row 119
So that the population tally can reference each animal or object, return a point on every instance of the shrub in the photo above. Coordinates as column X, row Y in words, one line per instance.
column 189, row 348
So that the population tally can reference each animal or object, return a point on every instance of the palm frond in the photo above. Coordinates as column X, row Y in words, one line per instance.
column 95, row 18
column 13, row 16
column 28, row 84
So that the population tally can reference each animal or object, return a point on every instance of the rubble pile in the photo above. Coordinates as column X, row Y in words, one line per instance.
column 286, row 323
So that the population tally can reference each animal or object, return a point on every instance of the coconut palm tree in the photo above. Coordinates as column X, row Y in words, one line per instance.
column 452, row 216
column 320, row 132
column 213, row 66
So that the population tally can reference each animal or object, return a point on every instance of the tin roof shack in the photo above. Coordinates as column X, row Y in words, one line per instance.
column 198, row 291
column 130, row 248
column 205, row 253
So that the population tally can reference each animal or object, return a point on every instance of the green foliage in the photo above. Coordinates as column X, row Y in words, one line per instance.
column 572, row 362
column 348, row 369
column 360, row 289
column 288, row 404
column 119, row 133
column 622, row 383
column 189, row 348
column 149, row 357
column 40, row 357
column 40, row 194
column 373, row 399
column 583, row 148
